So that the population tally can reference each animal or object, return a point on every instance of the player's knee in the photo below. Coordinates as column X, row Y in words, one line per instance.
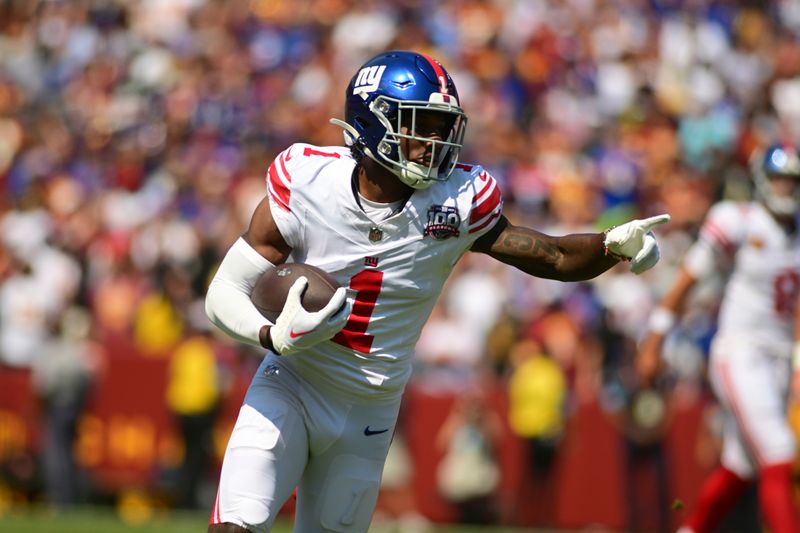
column 351, row 492
column 227, row 528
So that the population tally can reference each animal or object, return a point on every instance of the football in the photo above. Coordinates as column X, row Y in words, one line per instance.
column 271, row 289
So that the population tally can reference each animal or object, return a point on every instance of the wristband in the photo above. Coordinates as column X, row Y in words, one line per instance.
column 796, row 356
column 661, row 320
column 610, row 253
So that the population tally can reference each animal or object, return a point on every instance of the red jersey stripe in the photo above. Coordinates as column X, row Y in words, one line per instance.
column 284, row 173
column 713, row 233
column 483, row 204
column 277, row 188
column 486, row 223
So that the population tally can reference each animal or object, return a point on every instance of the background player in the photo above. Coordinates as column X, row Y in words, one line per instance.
column 755, row 244
column 388, row 217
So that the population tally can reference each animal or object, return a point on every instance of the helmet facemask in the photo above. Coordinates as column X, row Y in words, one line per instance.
column 400, row 118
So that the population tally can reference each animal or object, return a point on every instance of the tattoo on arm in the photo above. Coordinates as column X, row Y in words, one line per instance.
column 517, row 242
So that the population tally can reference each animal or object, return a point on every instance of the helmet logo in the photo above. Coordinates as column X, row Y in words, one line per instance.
column 368, row 80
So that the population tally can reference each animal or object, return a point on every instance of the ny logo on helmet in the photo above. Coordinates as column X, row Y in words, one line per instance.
column 443, row 222
column 367, row 80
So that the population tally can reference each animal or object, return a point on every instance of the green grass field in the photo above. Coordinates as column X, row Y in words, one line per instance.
column 105, row 520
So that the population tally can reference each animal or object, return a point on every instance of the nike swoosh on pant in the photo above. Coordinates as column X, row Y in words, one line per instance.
column 368, row 432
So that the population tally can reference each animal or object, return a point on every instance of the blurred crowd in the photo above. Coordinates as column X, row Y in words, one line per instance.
column 135, row 136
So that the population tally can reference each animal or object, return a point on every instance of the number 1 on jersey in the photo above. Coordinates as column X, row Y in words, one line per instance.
column 367, row 283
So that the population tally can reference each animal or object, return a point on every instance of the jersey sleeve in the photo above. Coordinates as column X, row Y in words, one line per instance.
column 487, row 204
column 720, row 236
column 285, row 212
column 724, row 228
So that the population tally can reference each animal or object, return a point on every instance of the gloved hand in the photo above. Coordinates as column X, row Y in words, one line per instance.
column 636, row 242
column 296, row 329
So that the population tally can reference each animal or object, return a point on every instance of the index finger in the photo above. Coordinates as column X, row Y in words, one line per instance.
column 649, row 223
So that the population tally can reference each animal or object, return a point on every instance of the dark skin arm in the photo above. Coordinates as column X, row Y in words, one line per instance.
column 575, row 257
column 264, row 237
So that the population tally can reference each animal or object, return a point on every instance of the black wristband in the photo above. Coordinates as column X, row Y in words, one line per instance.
column 265, row 339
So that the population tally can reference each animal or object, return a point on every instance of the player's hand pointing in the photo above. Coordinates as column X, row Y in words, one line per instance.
column 636, row 242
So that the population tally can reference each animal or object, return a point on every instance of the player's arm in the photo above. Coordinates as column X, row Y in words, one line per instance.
column 568, row 258
column 228, row 303
column 662, row 319
column 264, row 237
column 574, row 257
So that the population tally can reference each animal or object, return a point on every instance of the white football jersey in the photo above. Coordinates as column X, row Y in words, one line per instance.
column 764, row 271
column 397, row 265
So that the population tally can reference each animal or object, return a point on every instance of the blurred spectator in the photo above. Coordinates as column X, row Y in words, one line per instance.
column 161, row 317
column 536, row 413
column 468, row 473
column 193, row 396
column 643, row 421
column 62, row 376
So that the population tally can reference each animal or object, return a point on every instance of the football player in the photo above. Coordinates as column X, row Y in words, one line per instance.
column 388, row 216
column 755, row 244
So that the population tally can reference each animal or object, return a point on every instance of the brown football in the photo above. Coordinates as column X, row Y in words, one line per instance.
column 271, row 289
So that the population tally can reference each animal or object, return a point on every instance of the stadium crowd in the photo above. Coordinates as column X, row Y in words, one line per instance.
column 135, row 137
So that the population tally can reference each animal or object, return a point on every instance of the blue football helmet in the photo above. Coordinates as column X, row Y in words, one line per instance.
column 776, row 160
column 382, row 103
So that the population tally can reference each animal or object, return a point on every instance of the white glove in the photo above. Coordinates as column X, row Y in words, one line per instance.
column 296, row 329
column 635, row 241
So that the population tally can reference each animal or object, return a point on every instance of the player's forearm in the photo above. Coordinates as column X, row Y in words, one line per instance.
column 572, row 257
column 230, row 309
column 583, row 256
column 675, row 298
column 228, row 303
column 664, row 317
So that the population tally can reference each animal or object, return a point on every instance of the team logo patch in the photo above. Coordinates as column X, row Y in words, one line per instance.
column 368, row 80
column 443, row 222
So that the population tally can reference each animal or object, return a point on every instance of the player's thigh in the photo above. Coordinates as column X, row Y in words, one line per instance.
column 753, row 392
column 340, row 486
column 263, row 463
column 735, row 454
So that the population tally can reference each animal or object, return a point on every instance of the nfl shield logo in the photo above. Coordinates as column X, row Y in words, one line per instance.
column 375, row 234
